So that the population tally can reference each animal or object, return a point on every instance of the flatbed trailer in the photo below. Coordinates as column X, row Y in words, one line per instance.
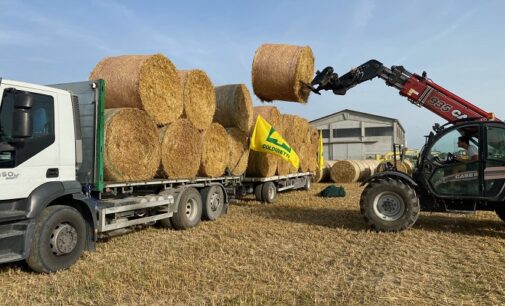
column 54, row 201
column 265, row 189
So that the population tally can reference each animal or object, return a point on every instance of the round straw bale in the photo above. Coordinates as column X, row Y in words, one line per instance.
column 132, row 148
column 400, row 166
column 181, row 149
column 234, row 107
column 409, row 166
column 271, row 114
column 198, row 96
column 215, row 152
column 239, row 151
column 148, row 82
column 262, row 164
column 304, row 156
column 278, row 69
column 349, row 171
column 323, row 175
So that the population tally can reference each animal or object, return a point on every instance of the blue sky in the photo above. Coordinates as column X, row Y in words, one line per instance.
column 461, row 44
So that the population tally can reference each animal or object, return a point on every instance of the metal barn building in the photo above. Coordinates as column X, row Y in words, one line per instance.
column 349, row 134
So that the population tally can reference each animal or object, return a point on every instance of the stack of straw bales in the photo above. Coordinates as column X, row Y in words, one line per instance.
column 404, row 166
column 147, row 96
column 278, row 69
column 263, row 164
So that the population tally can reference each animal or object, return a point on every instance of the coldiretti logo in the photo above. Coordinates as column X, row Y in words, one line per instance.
column 266, row 139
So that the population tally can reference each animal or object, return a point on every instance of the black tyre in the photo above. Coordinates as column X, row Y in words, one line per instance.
column 257, row 192
column 389, row 205
column 269, row 192
column 500, row 212
column 189, row 210
column 58, row 240
column 213, row 202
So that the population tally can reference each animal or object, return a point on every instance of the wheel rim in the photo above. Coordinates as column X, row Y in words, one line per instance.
column 63, row 239
column 388, row 206
column 191, row 209
column 215, row 202
column 271, row 192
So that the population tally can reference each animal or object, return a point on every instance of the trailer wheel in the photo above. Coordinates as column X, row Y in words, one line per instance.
column 58, row 240
column 500, row 212
column 213, row 202
column 307, row 185
column 189, row 210
column 389, row 206
column 258, row 192
column 269, row 192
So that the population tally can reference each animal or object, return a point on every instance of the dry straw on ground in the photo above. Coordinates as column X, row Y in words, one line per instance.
column 199, row 98
column 215, row 152
column 239, row 151
column 132, row 149
column 181, row 149
column 234, row 107
column 148, row 82
column 302, row 250
column 278, row 69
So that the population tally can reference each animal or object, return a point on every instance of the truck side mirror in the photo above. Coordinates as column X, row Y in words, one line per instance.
column 22, row 124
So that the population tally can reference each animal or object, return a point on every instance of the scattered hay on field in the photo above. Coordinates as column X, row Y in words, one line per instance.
column 278, row 69
column 147, row 82
column 132, row 149
column 234, row 107
column 181, row 149
column 199, row 98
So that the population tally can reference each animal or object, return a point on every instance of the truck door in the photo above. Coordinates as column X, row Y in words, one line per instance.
column 27, row 164
column 452, row 171
column 494, row 164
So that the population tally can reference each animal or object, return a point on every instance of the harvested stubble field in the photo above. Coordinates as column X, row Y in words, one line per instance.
column 302, row 250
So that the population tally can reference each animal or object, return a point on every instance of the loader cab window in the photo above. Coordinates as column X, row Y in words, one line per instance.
column 454, row 157
column 43, row 135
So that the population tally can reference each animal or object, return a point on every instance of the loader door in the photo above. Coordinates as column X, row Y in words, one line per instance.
column 454, row 173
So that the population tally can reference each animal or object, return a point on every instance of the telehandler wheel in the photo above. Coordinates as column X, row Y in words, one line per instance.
column 58, row 240
column 269, row 192
column 257, row 192
column 189, row 210
column 500, row 212
column 213, row 202
column 389, row 205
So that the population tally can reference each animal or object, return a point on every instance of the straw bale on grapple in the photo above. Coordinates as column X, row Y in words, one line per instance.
column 132, row 148
column 198, row 97
column 234, row 107
column 215, row 152
column 147, row 82
column 278, row 69
column 181, row 149
column 239, row 151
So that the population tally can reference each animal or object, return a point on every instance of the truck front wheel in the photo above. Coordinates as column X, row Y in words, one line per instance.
column 58, row 240
column 389, row 205
column 189, row 210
